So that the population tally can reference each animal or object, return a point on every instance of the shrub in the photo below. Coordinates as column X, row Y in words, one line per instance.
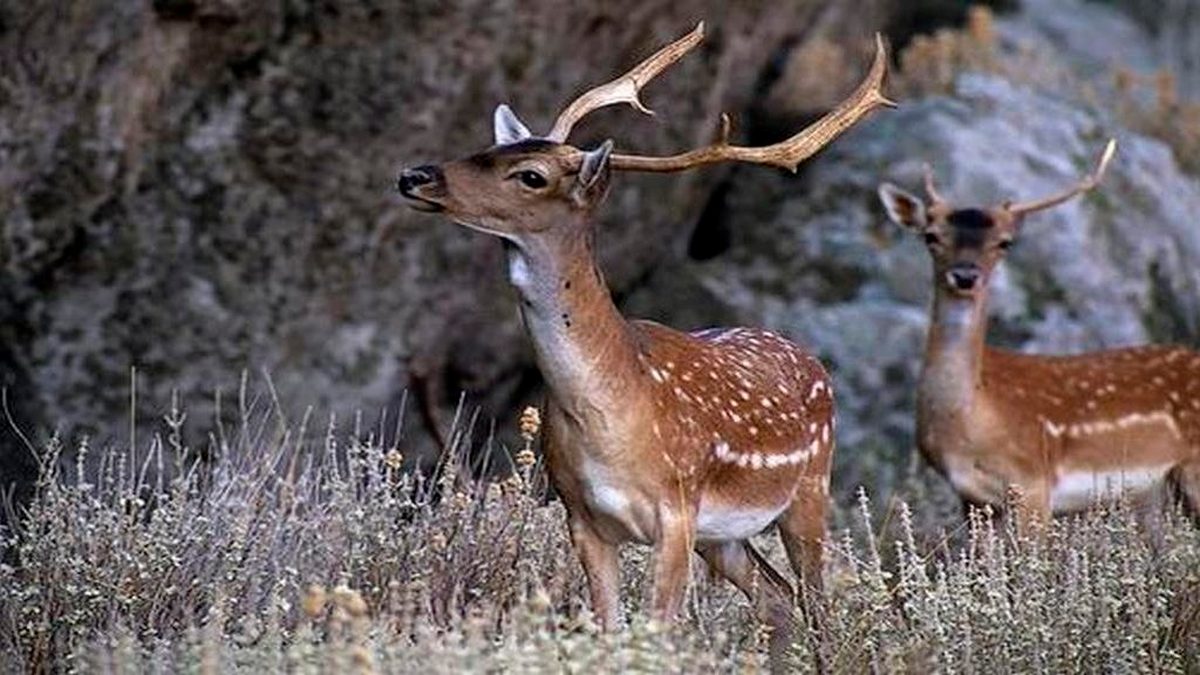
column 328, row 556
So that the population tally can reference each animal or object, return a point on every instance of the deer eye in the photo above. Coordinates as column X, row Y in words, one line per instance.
column 931, row 239
column 1005, row 244
column 531, row 179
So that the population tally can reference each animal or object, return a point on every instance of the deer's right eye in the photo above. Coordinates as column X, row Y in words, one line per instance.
column 531, row 179
column 931, row 239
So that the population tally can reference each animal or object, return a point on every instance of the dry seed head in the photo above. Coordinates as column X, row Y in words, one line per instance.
column 350, row 600
column 531, row 422
column 513, row 484
column 393, row 459
column 460, row 500
column 525, row 458
column 314, row 601
column 494, row 492
column 361, row 657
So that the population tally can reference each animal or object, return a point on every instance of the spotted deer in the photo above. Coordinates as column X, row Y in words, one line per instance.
column 1062, row 432
column 684, row 441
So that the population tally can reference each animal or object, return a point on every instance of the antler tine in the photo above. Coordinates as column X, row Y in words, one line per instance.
column 1088, row 182
column 935, row 197
column 625, row 88
column 786, row 154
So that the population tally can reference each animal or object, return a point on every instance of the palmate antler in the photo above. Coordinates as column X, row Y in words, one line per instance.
column 786, row 154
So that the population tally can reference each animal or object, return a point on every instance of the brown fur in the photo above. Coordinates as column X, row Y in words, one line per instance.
column 1065, row 431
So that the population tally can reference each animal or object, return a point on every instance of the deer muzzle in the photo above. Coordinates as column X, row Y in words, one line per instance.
column 423, row 186
column 963, row 277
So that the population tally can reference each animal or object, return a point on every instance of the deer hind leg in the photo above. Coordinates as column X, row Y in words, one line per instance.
column 770, row 594
column 601, row 566
column 802, row 528
column 1186, row 478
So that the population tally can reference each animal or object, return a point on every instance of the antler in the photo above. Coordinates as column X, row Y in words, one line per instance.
column 935, row 197
column 937, row 203
column 625, row 88
column 786, row 154
column 1087, row 183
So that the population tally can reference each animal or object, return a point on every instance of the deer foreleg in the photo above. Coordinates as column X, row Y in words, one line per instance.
column 601, row 566
column 672, row 554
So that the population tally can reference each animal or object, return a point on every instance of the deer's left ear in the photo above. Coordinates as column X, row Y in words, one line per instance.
column 593, row 171
column 904, row 208
column 507, row 128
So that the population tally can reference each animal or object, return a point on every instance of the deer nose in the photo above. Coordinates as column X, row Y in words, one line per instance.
column 411, row 179
column 963, row 277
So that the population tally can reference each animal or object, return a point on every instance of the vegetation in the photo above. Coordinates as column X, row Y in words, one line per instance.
column 1148, row 104
column 328, row 555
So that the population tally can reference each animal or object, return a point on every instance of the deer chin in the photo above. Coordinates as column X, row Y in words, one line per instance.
column 480, row 227
column 961, row 294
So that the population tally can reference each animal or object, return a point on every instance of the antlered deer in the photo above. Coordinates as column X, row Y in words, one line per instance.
column 682, row 441
column 1064, row 431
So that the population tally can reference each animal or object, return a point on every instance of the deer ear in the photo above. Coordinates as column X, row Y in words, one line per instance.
column 593, row 173
column 594, row 164
column 904, row 208
column 507, row 127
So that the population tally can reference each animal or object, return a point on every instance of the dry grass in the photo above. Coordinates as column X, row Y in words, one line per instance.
column 328, row 557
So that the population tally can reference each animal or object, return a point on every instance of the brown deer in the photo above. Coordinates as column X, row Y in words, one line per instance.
column 1062, row 432
column 684, row 441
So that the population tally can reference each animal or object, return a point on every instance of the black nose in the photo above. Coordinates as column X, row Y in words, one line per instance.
column 410, row 179
column 964, row 277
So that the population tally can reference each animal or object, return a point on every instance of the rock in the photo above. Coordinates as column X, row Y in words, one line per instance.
column 1143, row 36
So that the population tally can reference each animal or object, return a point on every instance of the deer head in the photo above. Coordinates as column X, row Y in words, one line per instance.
column 526, row 184
column 967, row 244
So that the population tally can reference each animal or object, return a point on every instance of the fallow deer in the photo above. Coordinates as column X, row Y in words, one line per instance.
column 1062, row 432
column 684, row 441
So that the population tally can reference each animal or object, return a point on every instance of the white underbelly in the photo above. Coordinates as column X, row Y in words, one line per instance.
column 1079, row 490
column 721, row 522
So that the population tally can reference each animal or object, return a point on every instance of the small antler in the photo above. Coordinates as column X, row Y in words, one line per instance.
column 1087, row 183
column 625, row 88
column 786, row 154
column 935, row 197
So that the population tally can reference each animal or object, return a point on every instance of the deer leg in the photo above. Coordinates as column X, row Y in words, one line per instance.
column 1186, row 478
column 736, row 561
column 802, row 528
column 671, row 564
column 602, row 568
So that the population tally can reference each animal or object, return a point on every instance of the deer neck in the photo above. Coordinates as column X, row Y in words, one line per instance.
column 950, row 379
column 584, row 347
